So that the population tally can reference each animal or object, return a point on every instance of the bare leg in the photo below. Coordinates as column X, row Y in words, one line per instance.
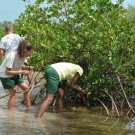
column 29, row 78
column 12, row 98
column 24, row 87
column 47, row 101
column 60, row 94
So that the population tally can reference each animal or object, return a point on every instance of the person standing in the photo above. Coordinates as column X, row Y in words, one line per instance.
column 56, row 76
column 11, row 70
column 9, row 42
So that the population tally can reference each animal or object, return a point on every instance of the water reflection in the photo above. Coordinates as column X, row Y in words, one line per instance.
column 17, row 123
column 80, row 121
column 51, row 124
column 130, row 125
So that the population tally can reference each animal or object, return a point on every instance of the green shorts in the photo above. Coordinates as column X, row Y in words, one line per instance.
column 52, row 79
column 10, row 83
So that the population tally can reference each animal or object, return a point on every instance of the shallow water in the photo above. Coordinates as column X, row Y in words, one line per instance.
column 73, row 121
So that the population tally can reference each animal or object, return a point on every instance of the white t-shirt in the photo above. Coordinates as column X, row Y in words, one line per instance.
column 10, row 42
column 12, row 61
column 67, row 71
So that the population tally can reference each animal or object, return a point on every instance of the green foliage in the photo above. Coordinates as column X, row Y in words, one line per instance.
column 68, row 30
column 130, row 12
column 2, row 28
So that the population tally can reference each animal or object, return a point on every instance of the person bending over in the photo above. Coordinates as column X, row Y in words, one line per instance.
column 56, row 76
column 11, row 70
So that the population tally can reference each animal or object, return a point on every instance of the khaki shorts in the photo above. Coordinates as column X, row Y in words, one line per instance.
column 10, row 83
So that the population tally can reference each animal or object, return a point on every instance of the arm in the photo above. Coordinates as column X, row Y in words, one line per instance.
column 24, row 67
column 10, row 72
column 73, row 85
column 1, row 53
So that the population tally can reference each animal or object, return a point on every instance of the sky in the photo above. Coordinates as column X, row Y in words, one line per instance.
column 126, row 2
column 11, row 9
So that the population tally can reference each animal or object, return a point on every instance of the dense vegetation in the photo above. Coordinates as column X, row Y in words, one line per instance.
column 100, row 31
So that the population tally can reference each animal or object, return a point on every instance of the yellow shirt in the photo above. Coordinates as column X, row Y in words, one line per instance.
column 66, row 71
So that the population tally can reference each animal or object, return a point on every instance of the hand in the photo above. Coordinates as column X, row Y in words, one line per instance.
column 31, row 67
column 25, row 72
column 82, row 92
